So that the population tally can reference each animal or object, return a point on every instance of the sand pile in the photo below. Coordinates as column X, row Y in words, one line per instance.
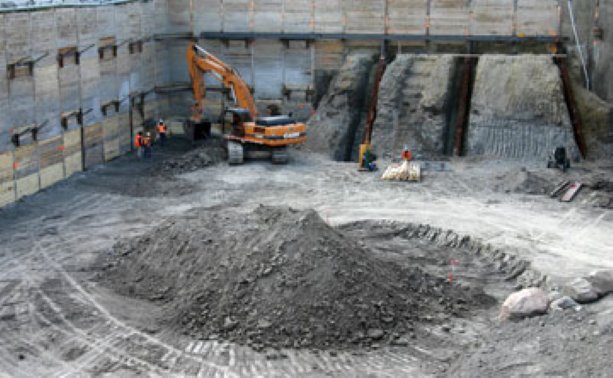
column 524, row 182
column 210, row 153
column 277, row 277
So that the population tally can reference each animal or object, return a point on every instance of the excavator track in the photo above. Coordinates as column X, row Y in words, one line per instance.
column 235, row 153
column 279, row 155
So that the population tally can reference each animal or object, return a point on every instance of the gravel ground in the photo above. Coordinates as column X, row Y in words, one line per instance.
column 56, row 319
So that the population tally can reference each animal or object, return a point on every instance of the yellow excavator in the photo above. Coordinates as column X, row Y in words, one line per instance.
column 250, row 136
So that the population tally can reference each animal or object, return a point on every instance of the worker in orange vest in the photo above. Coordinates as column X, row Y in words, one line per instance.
column 147, row 145
column 138, row 143
column 161, row 130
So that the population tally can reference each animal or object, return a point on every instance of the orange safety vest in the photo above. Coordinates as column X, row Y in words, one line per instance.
column 162, row 128
column 138, row 141
column 146, row 141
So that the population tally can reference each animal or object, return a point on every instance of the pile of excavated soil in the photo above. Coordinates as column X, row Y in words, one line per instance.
column 210, row 153
column 278, row 277
column 524, row 182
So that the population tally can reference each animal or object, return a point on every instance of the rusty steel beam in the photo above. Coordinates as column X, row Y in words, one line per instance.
column 462, row 115
column 374, row 97
column 571, row 104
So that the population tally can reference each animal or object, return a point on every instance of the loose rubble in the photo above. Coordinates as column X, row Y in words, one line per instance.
column 278, row 277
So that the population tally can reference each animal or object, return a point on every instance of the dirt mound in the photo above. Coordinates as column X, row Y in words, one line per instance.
column 277, row 277
column 524, row 182
column 210, row 153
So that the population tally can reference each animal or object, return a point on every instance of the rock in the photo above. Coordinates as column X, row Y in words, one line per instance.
column 563, row 304
column 333, row 126
column 581, row 290
column 413, row 105
column 602, row 281
column 229, row 324
column 524, row 303
column 376, row 333
column 401, row 341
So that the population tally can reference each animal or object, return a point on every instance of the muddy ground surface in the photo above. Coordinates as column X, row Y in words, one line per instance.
column 56, row 318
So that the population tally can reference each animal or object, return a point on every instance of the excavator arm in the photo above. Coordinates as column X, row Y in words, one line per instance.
column 200, row 62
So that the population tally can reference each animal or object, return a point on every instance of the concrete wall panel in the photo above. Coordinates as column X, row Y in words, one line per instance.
column 237, row 16
column 365, row 16
column 87, row 27
column 208, row 16
column 407, row 16
column 17, row 31
column 449, row 17
column 44, row 36
column 179, row 16
column 47, row 104
column 328, row 16
column 298, row 16
column 492, row 17
column 537, row 17
column 267, row 66
column 66, row 27
column 268, row 16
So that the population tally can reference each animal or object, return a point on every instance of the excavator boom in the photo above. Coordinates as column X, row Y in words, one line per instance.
column 200, row 61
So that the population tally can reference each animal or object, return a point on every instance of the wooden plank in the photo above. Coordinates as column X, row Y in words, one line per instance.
column 329, row 55
column 7, row 193
column 7, row 184
column 50, row 175
column 72, row 164
column 110, row 127
column 27, row 185
column 50, row 151
column 123, row 134
column 26, row 161
column 94, row 145
column 72, row 152
column 572, row 191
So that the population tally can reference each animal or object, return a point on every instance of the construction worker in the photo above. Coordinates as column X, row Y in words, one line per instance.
column 147, row 145
column 161, row 130
column 138, row 143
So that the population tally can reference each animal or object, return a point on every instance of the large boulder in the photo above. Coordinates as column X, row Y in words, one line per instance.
column 518, row 109
column 581, row 290
column 601, row 281
column 524, row 303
